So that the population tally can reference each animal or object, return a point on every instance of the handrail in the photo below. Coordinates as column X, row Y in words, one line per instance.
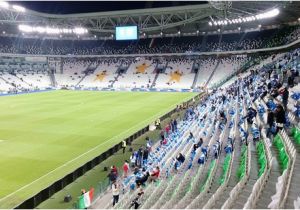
column 216, row 195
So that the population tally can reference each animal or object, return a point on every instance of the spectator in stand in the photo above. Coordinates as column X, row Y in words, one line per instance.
column 145, row 156
column 200, row 142
column 155, row 174
column 195, row 147
column 115, row 192
column 204, row 150
column 284, row 92
column 162, row 137
column 112, row 176
column 148, row 144
column 175, row 124
column 270, row 121
column 136, row 202
column 180, row 160
column 250, row 115
column 280, row 118
column 201, row 159
column 143, row 179
column 132, row 160
column 124, row 146
column 125, row 168
column 140, row 157
column 228, row 148
column 157, row 124
column 167, row 130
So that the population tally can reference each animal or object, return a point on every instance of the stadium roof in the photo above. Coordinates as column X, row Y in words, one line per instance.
column 187, row 19
column 71, row 7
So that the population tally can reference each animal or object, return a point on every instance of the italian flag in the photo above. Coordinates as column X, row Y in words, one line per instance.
column 86, row 199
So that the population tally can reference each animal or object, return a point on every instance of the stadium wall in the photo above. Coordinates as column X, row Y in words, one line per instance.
column 46, row 193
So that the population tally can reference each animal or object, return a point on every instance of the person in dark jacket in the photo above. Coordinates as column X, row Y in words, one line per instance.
column 250, row 115
column 200, row 142
column 280, row 118
column 285, row 96
column 145, row 155
column 180, row 158
column 140, row 157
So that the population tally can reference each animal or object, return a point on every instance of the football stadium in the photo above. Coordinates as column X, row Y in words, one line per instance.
column 150, row 105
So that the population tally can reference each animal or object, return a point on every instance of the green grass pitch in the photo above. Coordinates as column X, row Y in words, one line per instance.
column 44, row 136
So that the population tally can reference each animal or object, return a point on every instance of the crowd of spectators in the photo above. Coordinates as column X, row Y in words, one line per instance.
column 250, row 40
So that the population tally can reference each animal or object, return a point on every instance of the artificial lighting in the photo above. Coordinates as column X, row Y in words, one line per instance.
column 18, row 8
column 161, row 33
column 112, row 36
column 265, row 15
column 3, row 32
column 144, row 34
column 197, row 31
column 203, row 32
column 239, row 28
column 95, row 36
column 178, row 32
column 4, row 4
column 298, row 19
column 259, row 26
column 60, row 36
column 51, row 30
column 219, row 30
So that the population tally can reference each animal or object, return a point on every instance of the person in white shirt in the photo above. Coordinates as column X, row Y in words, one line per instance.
column 115, row 192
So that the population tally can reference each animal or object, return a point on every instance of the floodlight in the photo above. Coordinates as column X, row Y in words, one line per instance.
column 18, row 8
column 4, row 4
column 79, row 30
column 40, row 29
column 25, row 28
column 210, row 23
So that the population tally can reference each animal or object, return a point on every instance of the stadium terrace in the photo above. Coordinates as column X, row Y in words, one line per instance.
column 183, row 105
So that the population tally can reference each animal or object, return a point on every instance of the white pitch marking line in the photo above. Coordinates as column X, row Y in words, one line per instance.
column 78, row 157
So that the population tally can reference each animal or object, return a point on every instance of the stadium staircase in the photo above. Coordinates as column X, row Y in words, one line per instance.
column 11, row 83
column 157, row 72
column 154, row 80
column 89, row 69
column 212, row 74
column 196, row 75
column 52, row 79
column 240, row 41
column 7, row 82
column 203, row 44
column 20, row 79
